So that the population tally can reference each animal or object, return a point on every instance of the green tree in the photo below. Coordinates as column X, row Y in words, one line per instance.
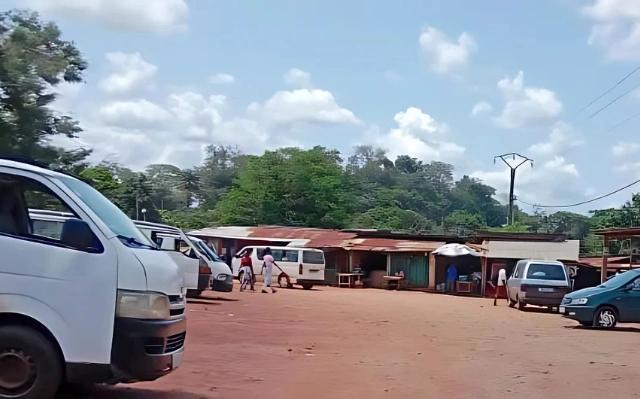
column 33, row 61
column 289, row 186
column 464, row 223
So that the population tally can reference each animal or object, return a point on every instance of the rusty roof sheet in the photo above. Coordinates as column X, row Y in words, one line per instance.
column 318, row 238
column 391, row 245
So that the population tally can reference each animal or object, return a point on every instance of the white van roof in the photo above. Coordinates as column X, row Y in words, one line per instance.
column 158, row 227
column 30, row 166
column 283, row 248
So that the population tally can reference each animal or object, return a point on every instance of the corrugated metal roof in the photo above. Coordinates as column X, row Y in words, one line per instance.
column 319, row 238
column 391, row 245
column 300, row 236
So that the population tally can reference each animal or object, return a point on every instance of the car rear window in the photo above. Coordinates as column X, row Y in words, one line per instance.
column 313, row 257
column 541, row 271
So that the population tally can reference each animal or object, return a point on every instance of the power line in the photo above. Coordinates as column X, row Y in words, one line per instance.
column 613, row 101
column 611, row 89
column 622, row 123
column 583, row 202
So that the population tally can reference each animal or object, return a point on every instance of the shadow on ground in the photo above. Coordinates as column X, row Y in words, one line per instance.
column 616, row 329
column 104, row 392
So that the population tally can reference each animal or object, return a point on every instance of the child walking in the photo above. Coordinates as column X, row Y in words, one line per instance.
column 246, row 267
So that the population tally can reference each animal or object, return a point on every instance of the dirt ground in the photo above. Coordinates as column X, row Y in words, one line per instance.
column 341, row 343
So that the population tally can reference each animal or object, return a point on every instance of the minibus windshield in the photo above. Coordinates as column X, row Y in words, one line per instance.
column 107, row 211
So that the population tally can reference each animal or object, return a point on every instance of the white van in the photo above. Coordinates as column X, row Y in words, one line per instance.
column 95, row 302
column 303, row 266
column 202, row 267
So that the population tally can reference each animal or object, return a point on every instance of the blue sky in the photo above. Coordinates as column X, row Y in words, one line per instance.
column 169, row 76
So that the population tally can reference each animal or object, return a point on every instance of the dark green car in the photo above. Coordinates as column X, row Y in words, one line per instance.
column 616, row 300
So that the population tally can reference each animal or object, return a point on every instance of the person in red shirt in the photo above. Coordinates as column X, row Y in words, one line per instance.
column 246, row 267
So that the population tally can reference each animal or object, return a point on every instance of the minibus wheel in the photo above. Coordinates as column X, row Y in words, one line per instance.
column 307, row 286
column 30, row 367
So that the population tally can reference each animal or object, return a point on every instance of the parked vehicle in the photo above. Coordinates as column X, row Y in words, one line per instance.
column 201, row 266
column 95, row 302
column 539, row 283
column 615, row 301
column 303, row 266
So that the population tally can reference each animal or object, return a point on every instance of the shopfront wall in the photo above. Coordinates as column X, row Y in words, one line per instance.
column 414, row 265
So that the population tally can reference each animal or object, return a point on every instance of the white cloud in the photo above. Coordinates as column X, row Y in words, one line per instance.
column 155, row 16
column 129, row 72
column 616, row 28
column 418, row 135
column 623, row 149
column 297, row 78
column 481, row 107
column 134, row 113
column 175, row 129
column 527, row 106
column 444, row 54
column 222, row 79
column 553, row 180
column 302, row 106
column 560, row 141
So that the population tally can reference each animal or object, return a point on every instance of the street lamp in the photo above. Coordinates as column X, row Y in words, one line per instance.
column 144, row 214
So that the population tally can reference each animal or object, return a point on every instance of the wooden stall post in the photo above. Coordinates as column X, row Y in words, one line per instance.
column 483, row 267
column 605, row 256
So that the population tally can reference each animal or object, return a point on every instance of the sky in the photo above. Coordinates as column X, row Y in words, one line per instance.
column 458, row 81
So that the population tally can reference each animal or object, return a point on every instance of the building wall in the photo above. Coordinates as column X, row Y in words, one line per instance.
column 414, row 265
column 567, row 250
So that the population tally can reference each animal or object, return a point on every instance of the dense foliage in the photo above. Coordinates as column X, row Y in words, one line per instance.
column 288, row 186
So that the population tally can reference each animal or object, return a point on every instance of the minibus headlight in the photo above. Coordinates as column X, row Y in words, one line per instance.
column 142, row 305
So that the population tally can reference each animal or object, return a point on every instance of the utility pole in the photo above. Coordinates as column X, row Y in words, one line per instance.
column 513, row 168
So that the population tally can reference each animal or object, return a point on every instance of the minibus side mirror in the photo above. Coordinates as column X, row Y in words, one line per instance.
column 77, row 234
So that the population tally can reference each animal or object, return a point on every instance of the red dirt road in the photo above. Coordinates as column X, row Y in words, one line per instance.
column 341, row 343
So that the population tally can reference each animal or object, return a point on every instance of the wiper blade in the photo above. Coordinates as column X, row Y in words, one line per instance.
column 133, row 240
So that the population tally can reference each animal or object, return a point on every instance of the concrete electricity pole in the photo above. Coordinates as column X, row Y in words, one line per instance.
column 513, row 168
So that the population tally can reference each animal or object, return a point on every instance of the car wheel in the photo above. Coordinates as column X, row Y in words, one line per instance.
column 283, row 281
column 605, row 317
column 521, row 305
column 194, row 293
column 30, row 367
column 307, row 286
column 586, row 323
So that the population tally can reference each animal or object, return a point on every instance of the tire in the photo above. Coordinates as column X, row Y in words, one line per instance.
column 194, row 293
column 521, row 305
column 512, row 303
column 306, row 286
column 284, row 281
column 26, row 347
column 605, row 317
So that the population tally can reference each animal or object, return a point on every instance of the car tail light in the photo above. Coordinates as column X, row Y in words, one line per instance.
column 523, row 287
column 300, row 269
column 204, row 267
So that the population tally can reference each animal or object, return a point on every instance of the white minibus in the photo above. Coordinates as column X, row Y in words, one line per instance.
column 95, row 302
column 303, row 266
column 201, row 266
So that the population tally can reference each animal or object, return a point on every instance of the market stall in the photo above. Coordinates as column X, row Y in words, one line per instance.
column 458, row 269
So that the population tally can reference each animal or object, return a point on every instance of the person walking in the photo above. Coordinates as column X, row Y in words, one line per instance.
column 501, row 288
column 268, row 265
column 246, row 267
column 452, row 276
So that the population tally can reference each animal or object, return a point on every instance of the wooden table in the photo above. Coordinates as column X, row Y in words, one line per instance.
column 349, row 279
column 393, row 281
